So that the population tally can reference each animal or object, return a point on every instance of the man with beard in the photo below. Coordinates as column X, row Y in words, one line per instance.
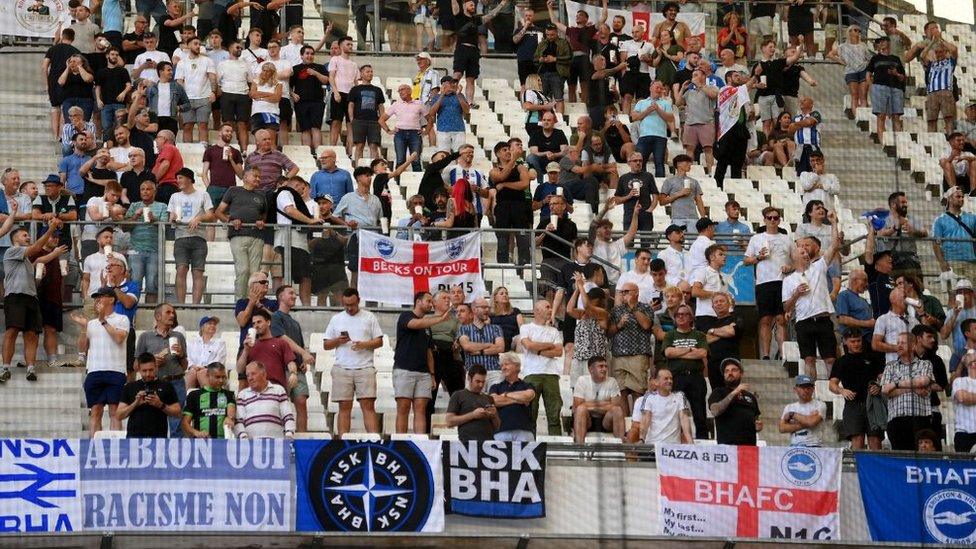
column 855, row 377
column 926, row 347
column 898, row 234
column 735, row 409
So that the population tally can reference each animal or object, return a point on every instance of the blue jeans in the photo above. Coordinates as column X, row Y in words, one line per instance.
column 174, row 422
column 653, row 145
column 539, row 164
column 108, row 119
column 87, row 104
column 404, row 140
column 143, row 264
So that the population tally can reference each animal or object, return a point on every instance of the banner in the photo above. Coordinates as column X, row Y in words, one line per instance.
column 750, row 492
column 495, row 479
column 694, row 20
column 915, row 500
column 39, row 486
column 393, row 270
column 351, row 486
column 33, row 18
column 186, row 484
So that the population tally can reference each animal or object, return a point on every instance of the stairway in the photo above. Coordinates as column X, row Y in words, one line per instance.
column 51, row 407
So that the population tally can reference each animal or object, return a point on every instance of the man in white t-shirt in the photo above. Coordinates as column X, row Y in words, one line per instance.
column 806, row 296
column 769, row 251
column 612, row 251
column 144, row 67
column 817, row 184
column 663, row 415
column 705, row 283
column 354, row 334
column 597, row 404
column 293, row 211
column 675, row 257
column 964, row 404
column 198, row 76
column 887, row 327
column 103, row 339
column 187, row 209
column 696, row 253
column 640, row 276
column 233, row 81
column 542, row 349
column 803, row 419
column 94, row 269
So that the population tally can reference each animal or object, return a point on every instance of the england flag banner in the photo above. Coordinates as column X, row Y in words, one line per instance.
column 694, row 20
column 393, row 270
column 749, row 492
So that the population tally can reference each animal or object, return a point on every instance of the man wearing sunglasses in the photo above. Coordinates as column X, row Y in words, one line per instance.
column 769, row 251
column 686, row 350
column 258, row 287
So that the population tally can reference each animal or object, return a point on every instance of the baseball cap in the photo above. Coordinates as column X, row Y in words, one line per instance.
column 207, row 319
column 673, row 229
column 327, row 197
column 447, row 78
column 803, row 379
column 552, row 167
column 704, row 223
column 423, row 55
column 105, row 230
column 728, row 361
column 52, row 178
column 964, row 284
column 852, row 332
column 104, row 291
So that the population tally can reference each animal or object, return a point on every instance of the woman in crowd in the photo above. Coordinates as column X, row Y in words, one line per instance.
column 461, row 212
column 733, row 36
column 666, row 57
column 854, row 55
column 534, row 103
column 616, row 136
column 589, row 308
column 201, row 352
column 77, row 86
column 504, row 315
column 779, row 142
column 266, row 95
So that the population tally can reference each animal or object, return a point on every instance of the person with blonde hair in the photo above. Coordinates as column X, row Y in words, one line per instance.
column 265, row 94
column 503, row 314
column 534, row 103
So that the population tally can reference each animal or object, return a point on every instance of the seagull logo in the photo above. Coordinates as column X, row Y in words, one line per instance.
column 954, row 519
column 801, row 466
column 950, row 517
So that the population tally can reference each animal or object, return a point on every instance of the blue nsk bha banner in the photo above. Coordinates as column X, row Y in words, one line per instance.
column 495, row 479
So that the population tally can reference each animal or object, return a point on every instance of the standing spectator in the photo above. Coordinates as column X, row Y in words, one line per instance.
column 166, row 99
column 240, row 206
column 256, row 300
column 168, row 347
column 424, row 84
column 723, row 337
column 413, row 362
column 269, row 160
column 330, row 179
column 138, row 173
column 148, row 402
column 905, row 384
column 791, row 84
column 734, row 110
column 732, row 225
column 728, row 62
column 939, row 81
column 512, row 398
column 448, row 368
column 273, row 352
column 482, row 341
column 706, row 282
column 654, row 113
column 112, row 87
column 448, row 111
column 169, row 162
column 951, row 231
column 360, row 208
column 211, row 411
column 699, row 123
column 580, row 37
column 471, row 411
column 266, row 93
column 806, row 134
column 612, row 251
column 222, row 165
column 735, row 409
column 638, row 52
column 410, row 118
column 553, row 57
column 526, row 39
column 899, row 41
column 103, row 340
column 504, row 315
column 342, row 76
column 542, row 349
column 964, row 405
column 77, row 86
column 631, row 342
column 900, row 231
column 854, row 55
column 892, row 324
column 803, row 419
column 662, row 415
column 886, row 80
column 513, row 210
column 198, row 76
column 189, row 207
column 958, row 164
column 769, row 251
column 855, row 377
column 146, row 64
column 854, row 312
column 675, row 258
column 55, row 62
column 589, row 309
column 769, row 72
column 307, row 94
column 76, row 125
column 69, row 167
column 684, row 194
column 365, row 110
column 597, row 405
column 263, row 408
column 234, row 83
column 686, row 350
column 467, row 53
column 806, row 297
column 284, row 326
column 291, row 209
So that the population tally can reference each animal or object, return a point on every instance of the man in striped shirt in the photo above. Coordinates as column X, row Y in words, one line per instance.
column 482, row 342
column 263, row 408
column 939, row 98
column 806, row 133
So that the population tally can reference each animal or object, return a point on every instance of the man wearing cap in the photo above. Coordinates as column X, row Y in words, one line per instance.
column 609, row 250
column 425, row 83
column 447, row 112
column 906, row 383
column 879, row 267
column 954, row 232
column 410, row 117
column 206, row 349
column 803, row 419
column 675, row 257
column 855, row 377
column 102, row 340
column 696, row 253
column 168, row 346
column 735, row 409
column 546, row 189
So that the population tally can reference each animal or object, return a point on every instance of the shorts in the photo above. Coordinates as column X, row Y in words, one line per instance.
column 301, row 263
column 467, row 60
column 816, row 334
column 635, row 83
column 22, row 311
column 855, row 77
column 340, row 108
column 309, row 115
column 596, row 423
column 267, row 236
column 54, row 94
column 698, row 134
column 348, row 383
column 265, row 121
column 366, row 131
column 52, row 314
column 769, row 298
column 761, row 26
column 192, row 251
column 407, row 384
column 552, row 85
column 525, row 68
column 579, row 69
column 198, row 113
column 631, row 372
column 800, row 20
column 284, row 105
column 324, row 285
column 768, row 109
column 887, row 100
column 216, row 193
column 103, row 387
column 855, row 420
column 940, row 102
column 235, row 107
column 301, row 389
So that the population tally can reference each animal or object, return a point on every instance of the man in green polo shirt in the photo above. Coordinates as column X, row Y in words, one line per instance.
column 210, row 411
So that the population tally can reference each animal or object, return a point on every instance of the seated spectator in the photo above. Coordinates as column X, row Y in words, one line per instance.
column 631, row 342
column 542, row 349
column 575, row 182
column 616, row 135
column 779, row 149
column 534, row 103
column 683, row 193
column 101, row 210
column 905, row 384
column 148, row 402
column 546, row 189
column 512, row 398
column 504, row 315
column 210, row 412
column 817, row 184
column 728, row 63
column 636, row 188
column 967, row 126
column 662, row 415
column 263, row 408
column 926, row 441
column 963, row 335
column 471, row 411
column 597, row 406
column 735, row 409
column 598, row 162
column 417, row 219
column 958, row 165
column 200, row 353
column 964, row 405
column 855, row 377
column 803, row 419
column 685, row 351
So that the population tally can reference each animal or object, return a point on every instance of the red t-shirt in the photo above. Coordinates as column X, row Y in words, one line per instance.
column 171, row 153
column 275, row 354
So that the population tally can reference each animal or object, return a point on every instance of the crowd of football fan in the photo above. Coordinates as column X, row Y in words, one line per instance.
column 645, row 342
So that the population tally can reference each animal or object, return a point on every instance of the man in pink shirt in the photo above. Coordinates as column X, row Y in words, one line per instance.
column 342, row 73
column 409, row 119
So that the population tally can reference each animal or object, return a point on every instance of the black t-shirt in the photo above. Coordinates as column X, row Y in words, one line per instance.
column 366, row 100
column 464, row 402
column 566, row 274
column 130, row 56
column 773, row 71
column 939, row 374
column 169, row 37
column 148, row 421
column 724, row 347
column 855, row 371
column 308, row 87
column 565, row 229
column 58, row 55
column 548, row 67
column 76, row 87
column 791, row 80
column 879, row 67
column 97, row 61
column 762, row 10
column 92, row 189
column 467, row 28
column 511, row 195
column 548, row 143
column 131, row 181
column 144, row 140
column 738, row 424
column 682, row 76
column 65, row 204
column 112, row 81
column 879, row 287
column 615, row 139
column 600, row 95
column 648, row 190
column 411, row 345
column 514, row 417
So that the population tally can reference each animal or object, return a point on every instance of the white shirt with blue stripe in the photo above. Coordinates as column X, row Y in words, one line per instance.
column 809, row 135
column 940, row 75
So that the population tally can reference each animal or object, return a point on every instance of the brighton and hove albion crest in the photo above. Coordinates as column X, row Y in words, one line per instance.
column 801, row 466
column 950, row 517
